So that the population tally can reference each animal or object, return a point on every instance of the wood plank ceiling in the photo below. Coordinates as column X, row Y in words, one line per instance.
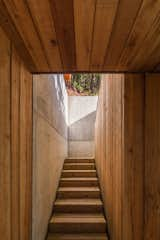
column 84, row 35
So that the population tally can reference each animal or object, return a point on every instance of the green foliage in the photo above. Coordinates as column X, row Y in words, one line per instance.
column 87, row 84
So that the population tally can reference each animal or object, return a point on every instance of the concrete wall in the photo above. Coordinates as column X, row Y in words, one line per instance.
column 81, row 118
column 50, row 147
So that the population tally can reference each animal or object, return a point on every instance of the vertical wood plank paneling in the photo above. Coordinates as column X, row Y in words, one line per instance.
column 152, row 158
column 108, row 192
column 25, row 153
column 147, row 14
column 109, row 149
column 147, row 57
column 104, row 19
column 123, row 165
column 15, row 144
column 23, row 21
column 63, row 15
column 133, row 166
column 5, row 138
column 113, row 160
column 8, row 26
column 118, row 81
column 21, row 149
column 15, row 123
column 84, row 12
column 120, row 32
column 42, row 16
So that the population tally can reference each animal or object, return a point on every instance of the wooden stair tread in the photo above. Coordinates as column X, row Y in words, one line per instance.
column 77, row 223
column 84, row 201
column 79, row 173
column 78, row 205
column 79, row 179
column 78, row 165
column 84, row 164
column 80, row 189
column 78, row 209
column 77, row 158
column 82, row 160
column 81, row 236
column 77, row 218
column 80, row 170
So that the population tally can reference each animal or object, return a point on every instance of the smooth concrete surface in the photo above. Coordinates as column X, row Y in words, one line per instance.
column 50, row 147
column 81, row 148
column 81, row 120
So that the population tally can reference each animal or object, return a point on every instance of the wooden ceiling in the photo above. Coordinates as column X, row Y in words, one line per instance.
column 84, row 35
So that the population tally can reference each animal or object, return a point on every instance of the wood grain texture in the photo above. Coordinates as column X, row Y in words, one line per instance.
column 104, row 21
column 24, row 23
column 42, row 16
column 122, row 26
column 147, row 57
column 9, row 27
column 109, row 150
column 133, row 165
column 63, row 15
column 15, row 147
column 84, row 35
column 120, row 153
column 25, row 153
column 152, row 160
column 136, row 40
column 84, row 13
column 5, row 137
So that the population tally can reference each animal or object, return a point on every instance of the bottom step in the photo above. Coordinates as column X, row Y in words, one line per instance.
column 77, row 236
column 77, row 223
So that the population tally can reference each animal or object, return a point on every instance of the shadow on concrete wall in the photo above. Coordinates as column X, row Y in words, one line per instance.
column 83, row 129
column 52, row 101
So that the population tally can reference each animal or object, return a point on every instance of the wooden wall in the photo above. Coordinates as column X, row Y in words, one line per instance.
column 133, row 158
column 49, row 147
column 127, row 146
column 109, row 149
column 152, row 158
column 52, row 36
column 15, row 144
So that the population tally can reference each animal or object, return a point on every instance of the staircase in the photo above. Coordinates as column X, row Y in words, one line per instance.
column 78, row 209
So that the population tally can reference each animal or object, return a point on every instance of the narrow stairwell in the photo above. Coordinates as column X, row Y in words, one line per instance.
column 78, row 209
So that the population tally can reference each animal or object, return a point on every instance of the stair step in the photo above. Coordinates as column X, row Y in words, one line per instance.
column 79, row 173
column 78, row 205
column 78, row 182
column 79, row 160
column 79, row 166
column 78, row 192
column 81, row 236
column 77, row 223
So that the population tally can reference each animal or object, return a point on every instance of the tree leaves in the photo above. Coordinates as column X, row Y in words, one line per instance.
column 87, row 84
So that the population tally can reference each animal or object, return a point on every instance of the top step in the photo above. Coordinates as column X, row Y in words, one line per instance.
column 79, row 160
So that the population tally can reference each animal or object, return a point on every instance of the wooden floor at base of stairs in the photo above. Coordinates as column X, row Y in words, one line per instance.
column 82, row 236
column 77, row 223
